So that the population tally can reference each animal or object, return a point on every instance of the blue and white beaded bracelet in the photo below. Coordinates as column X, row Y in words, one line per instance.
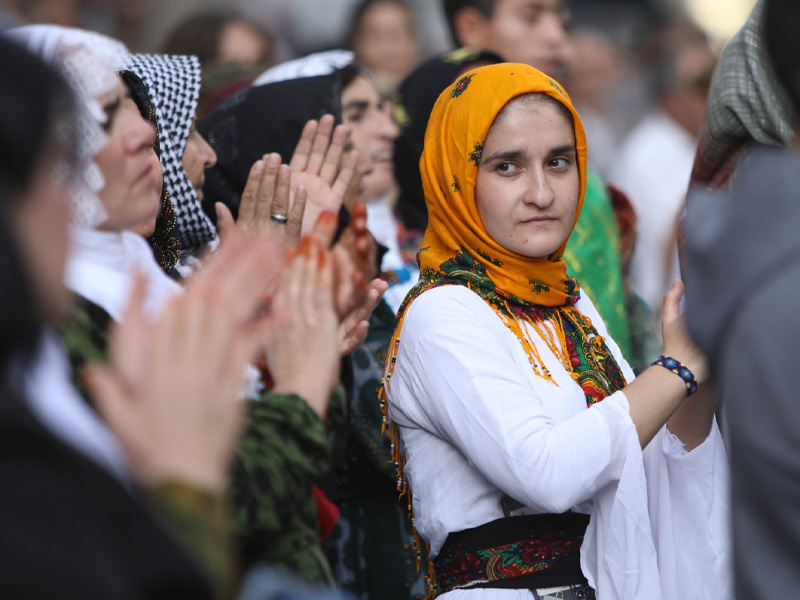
column 680, row 370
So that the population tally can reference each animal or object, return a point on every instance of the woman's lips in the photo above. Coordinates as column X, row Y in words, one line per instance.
column 539, row 220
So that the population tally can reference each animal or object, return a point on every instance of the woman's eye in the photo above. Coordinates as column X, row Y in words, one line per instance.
column 355, row 117
column 506, row 168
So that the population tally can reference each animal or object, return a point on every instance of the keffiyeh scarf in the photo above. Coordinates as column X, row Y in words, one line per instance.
column 173, row 83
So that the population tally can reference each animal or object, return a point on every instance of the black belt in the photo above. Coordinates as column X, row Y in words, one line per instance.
column 543, row 551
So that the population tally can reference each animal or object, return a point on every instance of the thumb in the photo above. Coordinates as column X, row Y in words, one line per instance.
column 672, row 302
column 225, row 222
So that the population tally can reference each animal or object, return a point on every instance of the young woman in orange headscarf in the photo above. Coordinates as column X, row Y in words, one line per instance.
column 538, row 467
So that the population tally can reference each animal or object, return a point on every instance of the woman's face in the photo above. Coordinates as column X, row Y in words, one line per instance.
column 40, row 221
column 149, row 228
column 242, row 44
column 132, row 191
column 528, row 181
column 197, row 157
column 373, row 133
column 385, row 40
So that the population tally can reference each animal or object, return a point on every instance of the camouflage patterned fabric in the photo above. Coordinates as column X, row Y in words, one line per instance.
column 284, row 449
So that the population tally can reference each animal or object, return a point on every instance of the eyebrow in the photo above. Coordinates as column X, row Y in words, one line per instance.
column 505, row 155
column 564, row 149
column 111, row 109
column 356, row 104
column 511, row 155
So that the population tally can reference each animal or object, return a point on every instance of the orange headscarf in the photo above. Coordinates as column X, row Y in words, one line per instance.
column 457, row 249
column 457, row 129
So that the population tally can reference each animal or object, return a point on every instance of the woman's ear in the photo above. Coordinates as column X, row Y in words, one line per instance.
column 471, row 27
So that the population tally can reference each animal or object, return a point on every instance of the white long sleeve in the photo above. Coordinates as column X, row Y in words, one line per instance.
column 477, row 424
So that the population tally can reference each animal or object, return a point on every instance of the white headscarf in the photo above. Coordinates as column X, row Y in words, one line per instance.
column 89, row 62
column 313, row 65
column 101, row 264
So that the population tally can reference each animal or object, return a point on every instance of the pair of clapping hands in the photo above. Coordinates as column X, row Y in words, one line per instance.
column 171, row 390
column 306, row 196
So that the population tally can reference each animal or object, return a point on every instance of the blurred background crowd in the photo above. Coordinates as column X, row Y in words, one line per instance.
column 304, row 26
column 638, row 70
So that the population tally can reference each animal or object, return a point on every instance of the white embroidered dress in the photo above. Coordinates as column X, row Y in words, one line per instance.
column 478, row 424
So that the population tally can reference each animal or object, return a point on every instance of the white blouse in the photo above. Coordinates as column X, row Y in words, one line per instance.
column 478, row 424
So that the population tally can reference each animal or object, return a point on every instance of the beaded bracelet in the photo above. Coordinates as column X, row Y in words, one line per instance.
column 680, row 370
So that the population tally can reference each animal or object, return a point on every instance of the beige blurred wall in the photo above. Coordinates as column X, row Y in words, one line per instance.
column 720, row 18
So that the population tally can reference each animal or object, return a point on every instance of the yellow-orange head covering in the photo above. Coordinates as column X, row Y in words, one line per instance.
column 457, row 129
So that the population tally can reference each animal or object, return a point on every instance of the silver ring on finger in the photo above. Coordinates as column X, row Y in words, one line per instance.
column 279, row 219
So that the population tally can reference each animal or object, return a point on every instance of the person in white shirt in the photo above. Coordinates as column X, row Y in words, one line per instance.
column 654, row 162
column 538, row 466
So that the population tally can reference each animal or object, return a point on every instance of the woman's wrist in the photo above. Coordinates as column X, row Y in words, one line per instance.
column 201, row 474
column 680, row 370
column 313, row 394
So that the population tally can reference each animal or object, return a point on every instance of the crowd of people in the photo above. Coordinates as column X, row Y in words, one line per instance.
column 364, row 324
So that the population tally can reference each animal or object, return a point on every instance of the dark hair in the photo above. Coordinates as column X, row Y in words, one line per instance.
column 35, row 102
column 360, row 11
column 200, row 34
column 779, row 32
column 451, row 7
column 141, row 97
column 244, row 128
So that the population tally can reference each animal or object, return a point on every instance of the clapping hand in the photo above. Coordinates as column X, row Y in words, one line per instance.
column 171, row 391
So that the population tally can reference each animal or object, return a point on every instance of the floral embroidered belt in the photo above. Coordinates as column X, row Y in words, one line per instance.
column 526, row 552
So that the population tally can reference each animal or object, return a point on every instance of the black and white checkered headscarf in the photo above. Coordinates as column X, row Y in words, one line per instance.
column 174, row 85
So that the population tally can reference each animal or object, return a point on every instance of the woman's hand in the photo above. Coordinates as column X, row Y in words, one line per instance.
column 320, row 170
column 302, row 346
column 321, row 165
column 354, row 258
column 267, row 195
column 676, row 340
column 171, row 391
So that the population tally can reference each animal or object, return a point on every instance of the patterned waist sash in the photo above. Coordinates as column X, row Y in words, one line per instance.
column 527, row 552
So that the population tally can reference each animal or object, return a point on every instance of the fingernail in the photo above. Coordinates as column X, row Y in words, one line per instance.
column 273, row 160
column 258, row 166
column 327, row 219
column 283, row 173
